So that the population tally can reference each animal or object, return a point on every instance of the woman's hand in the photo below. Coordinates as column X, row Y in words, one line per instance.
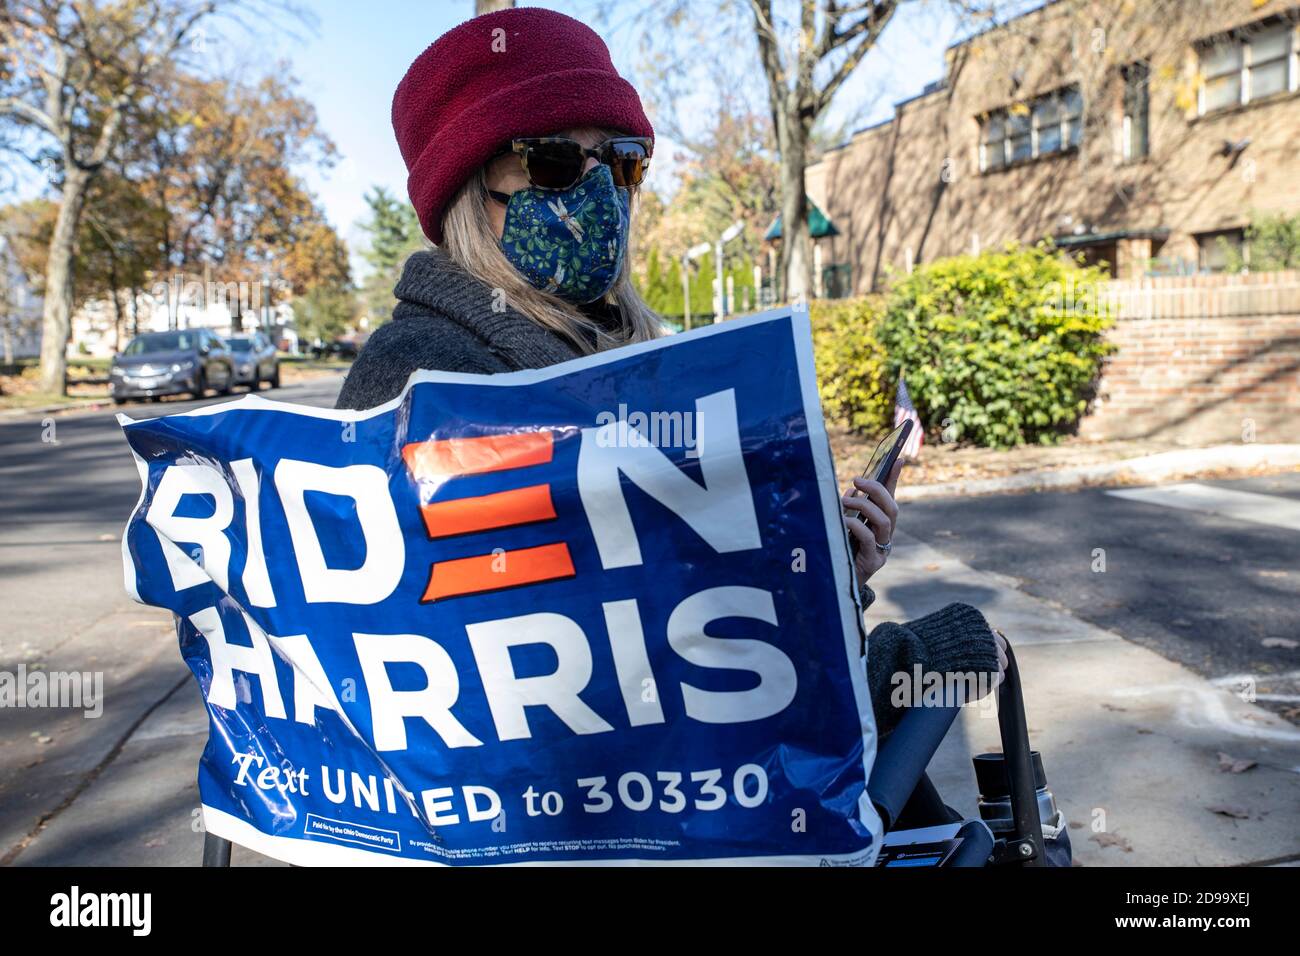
column 873, row 519
column 980, row 689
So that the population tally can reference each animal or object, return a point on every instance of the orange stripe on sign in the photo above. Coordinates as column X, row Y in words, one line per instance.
column 436, row 460
column 442, row 519
column 493, row 572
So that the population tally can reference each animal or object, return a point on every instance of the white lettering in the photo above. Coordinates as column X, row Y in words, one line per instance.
column 367, row 486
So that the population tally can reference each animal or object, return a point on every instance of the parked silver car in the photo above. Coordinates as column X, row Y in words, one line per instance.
column 255, row 361
column 168, row 363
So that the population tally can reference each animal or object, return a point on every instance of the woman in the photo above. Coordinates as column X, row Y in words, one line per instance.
column 525, row 149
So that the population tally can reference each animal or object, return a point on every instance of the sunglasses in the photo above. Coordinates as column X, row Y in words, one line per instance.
column 555, row 162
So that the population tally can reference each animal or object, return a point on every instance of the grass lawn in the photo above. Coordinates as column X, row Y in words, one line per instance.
column 42, row 399
column 87, row 362
column 308, row 362
column 20, row 384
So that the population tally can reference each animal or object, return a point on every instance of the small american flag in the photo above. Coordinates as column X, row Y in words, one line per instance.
column 904, row 410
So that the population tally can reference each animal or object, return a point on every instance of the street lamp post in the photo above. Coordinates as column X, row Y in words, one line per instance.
column 719, row 292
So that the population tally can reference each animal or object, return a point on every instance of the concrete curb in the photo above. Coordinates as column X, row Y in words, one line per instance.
column 1165, row 466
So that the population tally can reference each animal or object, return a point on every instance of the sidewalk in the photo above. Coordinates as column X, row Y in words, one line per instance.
column 1130, row 740
column 951, row 470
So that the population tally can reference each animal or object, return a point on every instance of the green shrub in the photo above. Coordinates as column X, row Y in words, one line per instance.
column 1000, row 349
column 850, row 363
column 1273, row 241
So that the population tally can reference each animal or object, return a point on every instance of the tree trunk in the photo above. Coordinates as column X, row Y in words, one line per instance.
column 796, row 244
column 117, row 300
column 490, row 6
column 56, row 323
column 118, row 318
column 9, row 316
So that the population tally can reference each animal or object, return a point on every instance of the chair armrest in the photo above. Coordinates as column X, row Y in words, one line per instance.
column 903, row 756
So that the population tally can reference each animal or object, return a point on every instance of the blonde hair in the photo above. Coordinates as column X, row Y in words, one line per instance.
column 468, row 238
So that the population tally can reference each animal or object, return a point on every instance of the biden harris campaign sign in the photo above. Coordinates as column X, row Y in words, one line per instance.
column 601, row 613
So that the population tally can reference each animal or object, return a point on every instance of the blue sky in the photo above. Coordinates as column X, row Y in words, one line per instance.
column 349, row 65
column 361, row 49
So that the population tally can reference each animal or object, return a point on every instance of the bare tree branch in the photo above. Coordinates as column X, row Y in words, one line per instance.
column 869, row 29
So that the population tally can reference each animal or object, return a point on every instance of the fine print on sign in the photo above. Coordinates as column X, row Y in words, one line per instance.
column 601, row 612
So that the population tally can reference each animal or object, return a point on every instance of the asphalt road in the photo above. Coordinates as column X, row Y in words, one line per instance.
column 67, row 486
column 46, row 454
column 1206, row 590
column 1203, row 589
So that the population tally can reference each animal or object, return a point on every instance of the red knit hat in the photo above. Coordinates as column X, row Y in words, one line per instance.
column 516, row 72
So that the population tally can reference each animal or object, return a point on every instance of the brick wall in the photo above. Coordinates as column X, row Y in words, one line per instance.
column 911, row 189
column 1202, row 358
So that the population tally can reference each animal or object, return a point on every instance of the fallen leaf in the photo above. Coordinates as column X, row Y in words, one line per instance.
column 1113, row 839
column 1272, row 574
column 1231, row 764
column 1115, row 707
column 1076, row 825
column 1229, row 810
column 1284, row 642
column 932, row 567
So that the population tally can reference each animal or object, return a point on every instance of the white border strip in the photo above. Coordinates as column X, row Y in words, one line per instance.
column 832, row 512
column 128, row 565
column 307, row 852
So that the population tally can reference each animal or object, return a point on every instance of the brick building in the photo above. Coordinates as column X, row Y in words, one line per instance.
column 1145, row 136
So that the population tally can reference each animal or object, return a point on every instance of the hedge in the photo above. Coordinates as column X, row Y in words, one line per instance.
column 1000, row 349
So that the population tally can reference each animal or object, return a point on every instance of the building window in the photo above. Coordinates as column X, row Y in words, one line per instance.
column 1221, row 68
column 1221, row 251
column 992, row 148
column 1136, row 111
column 1072, row 116
column 1243, row 69
column 837, row 281
column 1020, row 137
column 1269, row 63
column 1046, row 125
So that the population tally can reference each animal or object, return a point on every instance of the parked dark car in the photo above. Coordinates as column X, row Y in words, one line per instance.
column 339, row 349
column 171, row 363
column 255, row 361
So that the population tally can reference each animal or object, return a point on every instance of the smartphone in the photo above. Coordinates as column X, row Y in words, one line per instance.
column 887, row 452
column 881, row 464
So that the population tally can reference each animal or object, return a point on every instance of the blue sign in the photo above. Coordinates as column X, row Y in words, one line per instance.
column 601, row 612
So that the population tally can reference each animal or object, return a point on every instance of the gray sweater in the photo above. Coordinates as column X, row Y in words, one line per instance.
column 445, row 320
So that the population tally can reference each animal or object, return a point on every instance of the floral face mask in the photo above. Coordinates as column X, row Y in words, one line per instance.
column 569, row 242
